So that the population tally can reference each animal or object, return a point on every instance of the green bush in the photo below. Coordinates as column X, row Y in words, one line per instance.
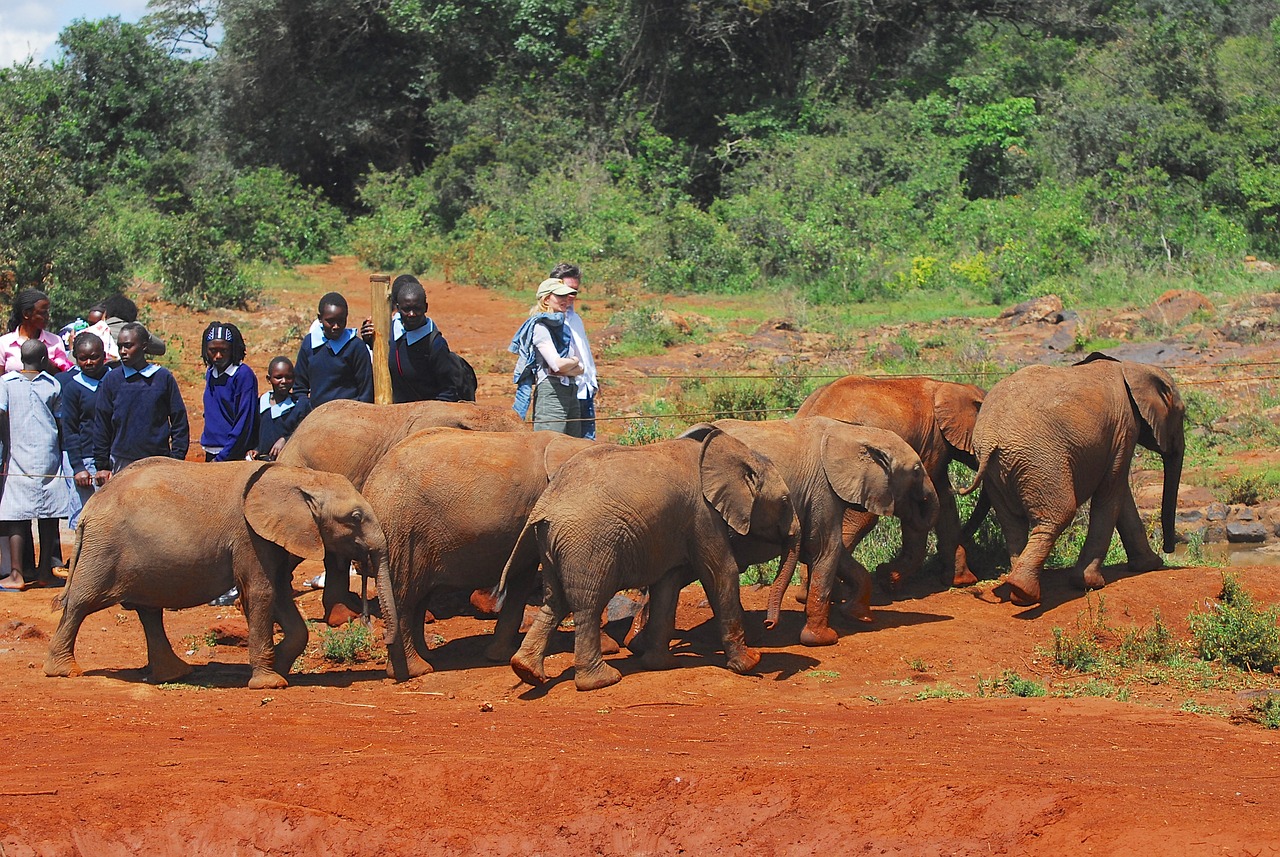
column 197, row 271
column 271, row 217
column 1235, row 631
column 1267, row 708
column 1011, row 684
column 350, row 644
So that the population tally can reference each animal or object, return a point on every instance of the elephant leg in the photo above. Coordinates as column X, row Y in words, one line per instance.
column 955, row 564
column 529, row 661
column 1024, row 576
column 1103, row 517
column 855, row 575
column 413, row 638
column 590, row 672
column 721, row 585
column 510, row 615
column 817, row 629
column 1134, row 537
column 663, row 599
column 165, row 665
column 61, row 659
column 257, row 597
column 294, row 642
column 339, row 602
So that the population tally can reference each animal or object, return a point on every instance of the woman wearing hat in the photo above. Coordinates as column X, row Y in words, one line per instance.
column 548, row 362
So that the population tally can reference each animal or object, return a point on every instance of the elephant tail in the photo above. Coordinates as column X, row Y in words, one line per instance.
column 60, row 599
column 976, row 517
column 521, row 554
column 977, row 480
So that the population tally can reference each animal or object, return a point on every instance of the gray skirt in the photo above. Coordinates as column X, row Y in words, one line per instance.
column 556, row 408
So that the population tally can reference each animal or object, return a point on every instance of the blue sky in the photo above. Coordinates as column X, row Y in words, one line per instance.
column 29, row 28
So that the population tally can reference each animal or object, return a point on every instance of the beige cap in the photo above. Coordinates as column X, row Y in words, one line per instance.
column 555, row 286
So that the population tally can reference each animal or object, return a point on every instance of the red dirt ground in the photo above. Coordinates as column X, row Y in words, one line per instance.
column 823, row 751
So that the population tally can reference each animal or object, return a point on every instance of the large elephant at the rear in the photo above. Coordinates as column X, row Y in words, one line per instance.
column 350, row 438
column 453, row 504
column 1051, row 438
column 620, row 517
column 832, row 469
column 936, row 419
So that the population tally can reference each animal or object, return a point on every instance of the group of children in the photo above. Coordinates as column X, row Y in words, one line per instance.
column 113, row 407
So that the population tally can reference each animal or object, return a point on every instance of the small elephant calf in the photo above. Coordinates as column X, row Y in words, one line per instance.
column 172, row 534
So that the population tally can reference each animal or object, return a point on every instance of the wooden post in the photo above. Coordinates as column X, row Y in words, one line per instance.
column 380, row 303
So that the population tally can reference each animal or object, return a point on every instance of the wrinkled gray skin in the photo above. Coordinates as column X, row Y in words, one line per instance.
column 936, row 419
column 264, row 520
column 833, row 469
column 453, row 504
column 617, row 517
column 349, row 438
column 1051, row 438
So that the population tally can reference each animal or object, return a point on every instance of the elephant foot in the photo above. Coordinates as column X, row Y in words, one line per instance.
column 1146, row 563
column 1090, row 578
column 486, row 602
column 339, row 614
column 594, row 678
column 890, row 578
column 415, row 666
column 267, row 680
column 500, row 651
column 61, row 667
column 744, row 660
column 171, row 670
column 608, row 645
column 656, row 659
column 818, row 635
column 962, row 576
column 857, row 611
column 529, row 670
column 1024, row 590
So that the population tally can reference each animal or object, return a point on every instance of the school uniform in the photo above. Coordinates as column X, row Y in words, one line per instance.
column 421, row 364
column 139, row 413
column 329, row 369
column 79, row 407
column 230, row 412
column 34, row 486
column 275, row 420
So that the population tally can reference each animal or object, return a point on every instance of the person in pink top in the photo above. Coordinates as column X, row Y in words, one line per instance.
column 29, row 319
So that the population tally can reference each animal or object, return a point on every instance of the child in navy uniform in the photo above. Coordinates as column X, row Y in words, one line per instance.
column 79, row 405
column 34, row 488
column 421, row 365
column 278, row 411
column 230, row 395
column 333, row 361
column 140, row 411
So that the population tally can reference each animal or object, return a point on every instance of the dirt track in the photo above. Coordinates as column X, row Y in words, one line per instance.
column 824, row 751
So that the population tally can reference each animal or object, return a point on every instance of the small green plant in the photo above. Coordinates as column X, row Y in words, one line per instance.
column 1094, row 687
column 941, row 690
column 207, row 640
column 1197, row 555
column 1235, row 631
column 1152, row 644
column 647, row 329
column 1267, row 710
column 1250, row 489
column 823, row 675
column 641, row 432
column 1081, row 650
column 1193, row 707
column 918, row 665
column 1010, row 684
column 763, row 574
column 349, row 644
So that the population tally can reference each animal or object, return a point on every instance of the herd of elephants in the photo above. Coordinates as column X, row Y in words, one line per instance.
column 455, row 495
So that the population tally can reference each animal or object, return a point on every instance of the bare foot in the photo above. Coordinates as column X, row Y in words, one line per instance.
column 14, row 582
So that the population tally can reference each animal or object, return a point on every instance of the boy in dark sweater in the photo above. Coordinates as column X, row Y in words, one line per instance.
column 139, row 410
column 79, row 406
column 333, row 361
column 421, row 366
column 278, row 411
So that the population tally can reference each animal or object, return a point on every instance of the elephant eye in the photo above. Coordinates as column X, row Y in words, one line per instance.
column 357, row 515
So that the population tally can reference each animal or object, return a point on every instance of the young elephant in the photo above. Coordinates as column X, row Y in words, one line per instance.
column 1050, row 438
column 151, row 540
column 349, row 438
column 834, row 471
column 617, row 517
column 455, row 525
column 936, row 418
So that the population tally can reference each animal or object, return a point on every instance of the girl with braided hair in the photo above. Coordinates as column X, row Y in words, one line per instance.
column 230, row 395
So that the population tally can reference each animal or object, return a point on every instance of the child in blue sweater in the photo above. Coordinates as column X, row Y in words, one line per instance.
column 230, row 395
column 333, row 361
column 278, row 410
column 79, row 406
column 140, row 411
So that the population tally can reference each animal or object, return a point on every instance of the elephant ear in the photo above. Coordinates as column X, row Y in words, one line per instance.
column 1152, row 392
column 281, row 504
column 955, row 407
column 1094, row 357
column 697, row 432
column 860, row 473
column 559, row 450
column 730, row 482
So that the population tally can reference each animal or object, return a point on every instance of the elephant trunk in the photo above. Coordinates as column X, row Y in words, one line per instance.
column 1169, row 499
column 386, row 598
column 787, row 569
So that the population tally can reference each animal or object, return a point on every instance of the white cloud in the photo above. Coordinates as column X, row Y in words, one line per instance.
column 30, row 29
